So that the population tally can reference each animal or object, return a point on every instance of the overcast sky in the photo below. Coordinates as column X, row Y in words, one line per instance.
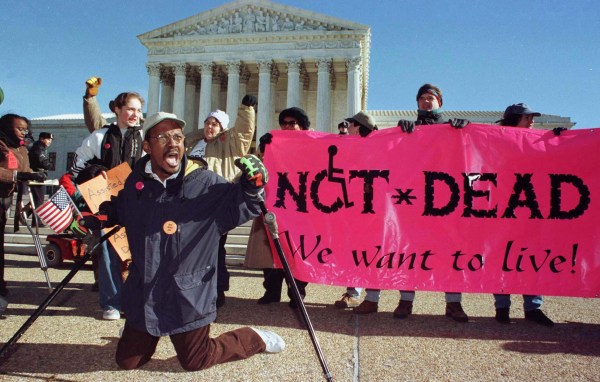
column 484, row 54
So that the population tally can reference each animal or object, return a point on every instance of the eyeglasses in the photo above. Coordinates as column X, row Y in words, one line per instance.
column 289, row 123
column 24, row 131
column 164, row 138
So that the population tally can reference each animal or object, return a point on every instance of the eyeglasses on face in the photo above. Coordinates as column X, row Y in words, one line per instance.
column 164, row 138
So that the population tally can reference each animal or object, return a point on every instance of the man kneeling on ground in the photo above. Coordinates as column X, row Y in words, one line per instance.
column 174, row 213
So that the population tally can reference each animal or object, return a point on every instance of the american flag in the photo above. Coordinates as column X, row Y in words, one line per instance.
column 57, row 212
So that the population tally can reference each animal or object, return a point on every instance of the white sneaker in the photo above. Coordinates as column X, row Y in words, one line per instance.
column 274, row 342
column 111, row 314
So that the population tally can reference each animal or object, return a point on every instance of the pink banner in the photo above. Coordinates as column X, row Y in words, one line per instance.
column 479, row 209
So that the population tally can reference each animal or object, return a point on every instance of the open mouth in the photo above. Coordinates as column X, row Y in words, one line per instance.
column 172, row 158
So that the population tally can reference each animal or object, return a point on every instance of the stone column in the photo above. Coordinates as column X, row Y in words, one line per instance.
column 233, row 90
column 179, row 90
column 293, row 85
column 216, row 89
column 264, row 98
column 274, row 78
column 166, row 98
column 206, row 70
column 244, row 78
column 153, row 88
column 353, row 92
column 305, row 81
column 190, row 114
column 323, row 95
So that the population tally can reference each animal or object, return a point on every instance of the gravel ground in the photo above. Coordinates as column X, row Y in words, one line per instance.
column 69, row 341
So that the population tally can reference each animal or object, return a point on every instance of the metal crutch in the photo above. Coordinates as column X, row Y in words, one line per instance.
column 36, row 237
column 4, row 354
column 271, row 222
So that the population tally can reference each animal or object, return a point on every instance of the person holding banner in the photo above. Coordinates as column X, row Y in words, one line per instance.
column 110, row 146
column 520, row 115
column 429, row 102
column 217, row 148
column 175, row 212
column 14, row 167
column 258, row 250
column 361, row 124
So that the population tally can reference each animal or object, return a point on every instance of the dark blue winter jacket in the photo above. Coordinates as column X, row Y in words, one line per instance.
column 173, row 236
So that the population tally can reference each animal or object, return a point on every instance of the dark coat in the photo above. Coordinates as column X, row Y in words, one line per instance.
column 171, row 286
column 38, row 157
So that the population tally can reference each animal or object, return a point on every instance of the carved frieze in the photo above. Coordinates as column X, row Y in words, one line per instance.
column 252, row 19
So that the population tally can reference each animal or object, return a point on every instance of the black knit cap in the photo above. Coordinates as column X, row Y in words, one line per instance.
column 296, row 113
column 431, row 89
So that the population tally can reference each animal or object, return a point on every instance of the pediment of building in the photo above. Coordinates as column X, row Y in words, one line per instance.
column 252, row 17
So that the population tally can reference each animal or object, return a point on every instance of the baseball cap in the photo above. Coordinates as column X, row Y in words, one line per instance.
column 363, row 119
column 520, row 109
column 157, row 118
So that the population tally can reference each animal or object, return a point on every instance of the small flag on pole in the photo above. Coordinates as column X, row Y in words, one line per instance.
column 57, row 212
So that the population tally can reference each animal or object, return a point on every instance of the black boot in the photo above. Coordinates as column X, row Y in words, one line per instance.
column 502, row 315
column 273, row 279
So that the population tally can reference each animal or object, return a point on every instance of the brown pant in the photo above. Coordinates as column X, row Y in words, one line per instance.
column 195, row 349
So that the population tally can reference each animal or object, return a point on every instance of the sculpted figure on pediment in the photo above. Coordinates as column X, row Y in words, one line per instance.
column 288, row 25
column 249, row 21
column 300, row 26
column 275, row 23
column 212, row 28
column 200, row 29
column 223, row 27
column 236, row 26
column 261, row 22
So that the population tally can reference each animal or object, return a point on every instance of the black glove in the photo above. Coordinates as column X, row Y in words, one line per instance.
column 91, row 222
column 406, row 126
column 254, row 174
column 35, row 176
column 249, row 100
column 263, row 141
column 458, row 123
column 558, row 130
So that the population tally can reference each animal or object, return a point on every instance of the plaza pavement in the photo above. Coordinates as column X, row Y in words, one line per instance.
column 70, row 342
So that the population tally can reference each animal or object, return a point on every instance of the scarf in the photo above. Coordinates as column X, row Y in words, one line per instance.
column 432, row 117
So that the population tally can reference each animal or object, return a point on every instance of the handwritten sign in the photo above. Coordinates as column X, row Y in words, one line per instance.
column 483, row 209
column 100, row 189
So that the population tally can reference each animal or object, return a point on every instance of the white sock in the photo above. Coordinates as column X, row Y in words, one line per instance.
column 272, row 340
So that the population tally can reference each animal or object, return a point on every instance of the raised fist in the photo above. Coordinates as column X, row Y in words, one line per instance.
column 254, row 174
column 92, row 84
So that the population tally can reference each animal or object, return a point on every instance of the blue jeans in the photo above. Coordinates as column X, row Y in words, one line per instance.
column 109, row 278
column 406, row 295
column 530, row 302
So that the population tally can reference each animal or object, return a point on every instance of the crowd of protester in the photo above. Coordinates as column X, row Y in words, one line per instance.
column 189, row 190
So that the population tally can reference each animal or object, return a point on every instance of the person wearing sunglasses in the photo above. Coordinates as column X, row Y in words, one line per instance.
column 258, row 251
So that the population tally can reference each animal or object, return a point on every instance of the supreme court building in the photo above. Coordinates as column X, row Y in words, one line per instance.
column 283, row 55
